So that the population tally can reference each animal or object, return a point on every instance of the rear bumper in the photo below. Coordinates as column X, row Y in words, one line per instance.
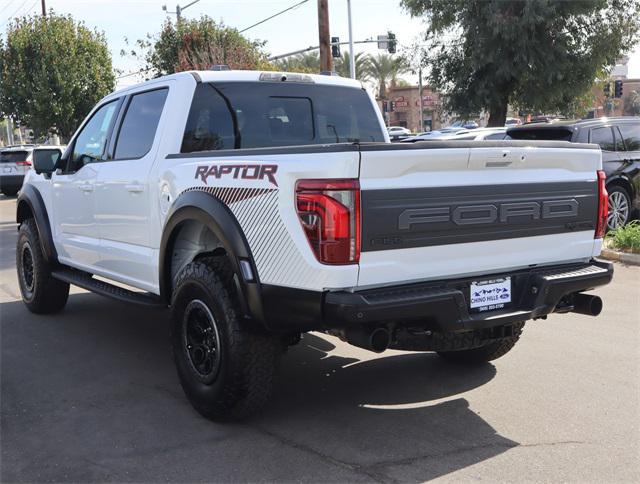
column 443, row 306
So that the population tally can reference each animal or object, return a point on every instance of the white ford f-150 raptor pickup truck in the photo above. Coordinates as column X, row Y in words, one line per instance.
column 259, row 206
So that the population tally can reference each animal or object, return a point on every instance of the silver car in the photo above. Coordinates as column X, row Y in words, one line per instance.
column 15, row 161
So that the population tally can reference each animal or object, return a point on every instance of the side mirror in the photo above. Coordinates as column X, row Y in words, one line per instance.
column 45, row 160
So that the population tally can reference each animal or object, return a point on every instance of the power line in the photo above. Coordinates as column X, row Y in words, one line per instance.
column 241, row 31
column 129, row 74
column 274, row 15
column 17, row 10
column 7, row 5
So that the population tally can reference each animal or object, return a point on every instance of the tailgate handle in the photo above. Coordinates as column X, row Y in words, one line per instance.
column 503, row 159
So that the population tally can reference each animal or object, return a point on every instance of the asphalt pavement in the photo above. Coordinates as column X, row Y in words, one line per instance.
column 91, row 394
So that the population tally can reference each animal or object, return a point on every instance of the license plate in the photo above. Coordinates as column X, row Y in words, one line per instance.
column 489, row 295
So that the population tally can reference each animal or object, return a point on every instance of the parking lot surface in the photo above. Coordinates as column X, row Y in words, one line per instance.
column 91, row 394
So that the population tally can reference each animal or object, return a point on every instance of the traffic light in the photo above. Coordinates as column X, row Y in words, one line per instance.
column 392, row 106
column 335, row 46
column 607, row 89
column 617, row 91
column 391, row 42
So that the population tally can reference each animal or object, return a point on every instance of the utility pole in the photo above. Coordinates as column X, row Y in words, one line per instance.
column 352, row 63
column 44, row 8
column 420, row 99
column 326, row 61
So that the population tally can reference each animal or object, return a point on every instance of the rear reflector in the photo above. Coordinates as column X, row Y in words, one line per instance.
column 329, row 211
column 23, row 163
column 603, row 206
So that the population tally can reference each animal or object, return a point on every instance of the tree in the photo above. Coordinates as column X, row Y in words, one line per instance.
column 384, row 69
column 308, row 62
column 632, row 103
column 534, row 55
column 53, row 70
column 342, row 65
column 197, row 44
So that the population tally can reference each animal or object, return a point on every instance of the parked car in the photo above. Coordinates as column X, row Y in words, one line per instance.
column 477, row 134
column 512, row 122
column 396, row 133
column 619, row 140
column 15, row 161
column 429, row 135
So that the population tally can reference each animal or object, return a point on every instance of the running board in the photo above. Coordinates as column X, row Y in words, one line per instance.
column 86, row 281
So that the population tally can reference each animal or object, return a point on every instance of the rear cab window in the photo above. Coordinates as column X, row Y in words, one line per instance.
column 558, row 133
column 235, row 115
column 13, row 156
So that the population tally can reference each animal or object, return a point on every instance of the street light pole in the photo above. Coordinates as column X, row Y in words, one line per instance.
column 179, row 9
column 44, row 8
column 352, row 63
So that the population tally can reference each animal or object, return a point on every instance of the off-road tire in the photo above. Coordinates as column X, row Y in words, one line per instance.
column 248, row 357
column 488, row 352
column 41, row 293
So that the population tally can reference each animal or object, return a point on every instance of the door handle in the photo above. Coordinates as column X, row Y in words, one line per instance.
column 135, row 188
column 86, row 188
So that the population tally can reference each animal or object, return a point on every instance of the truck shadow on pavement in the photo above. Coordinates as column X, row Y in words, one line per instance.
column 96, row 388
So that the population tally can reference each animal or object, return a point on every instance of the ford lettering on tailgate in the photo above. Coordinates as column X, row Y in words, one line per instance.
column 422, row 217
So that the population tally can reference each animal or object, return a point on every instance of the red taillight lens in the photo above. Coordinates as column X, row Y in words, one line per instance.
column 603, row 206
column 23, row 163
column 329, row 211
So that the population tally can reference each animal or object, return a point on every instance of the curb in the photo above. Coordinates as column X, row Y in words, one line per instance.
column 626, row 258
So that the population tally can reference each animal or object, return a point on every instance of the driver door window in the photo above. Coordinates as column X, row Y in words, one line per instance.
column 90, row 144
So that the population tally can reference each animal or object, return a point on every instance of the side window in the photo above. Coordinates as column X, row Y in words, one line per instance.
column 618, row 138
column 603, row 137
column 138, row 128
column 631, row 135
column 210, row 122
column 90, row 144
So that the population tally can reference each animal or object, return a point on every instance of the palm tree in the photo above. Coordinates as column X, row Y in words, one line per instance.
column 306, row 62
column 342, row 66
column 384, row 69
column 632, row 103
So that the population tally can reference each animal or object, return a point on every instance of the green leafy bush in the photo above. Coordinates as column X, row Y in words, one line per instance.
column 626, row 238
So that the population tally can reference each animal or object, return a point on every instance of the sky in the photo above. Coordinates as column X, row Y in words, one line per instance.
column 293, row 30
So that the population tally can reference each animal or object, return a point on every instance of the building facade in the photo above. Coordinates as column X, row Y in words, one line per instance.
column 403, row 108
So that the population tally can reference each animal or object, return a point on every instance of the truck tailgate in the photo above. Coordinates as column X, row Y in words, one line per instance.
column 444, row 210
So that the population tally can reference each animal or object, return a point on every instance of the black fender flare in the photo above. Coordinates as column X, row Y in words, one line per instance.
column 216, row 216
column 624, row 181
column 31, row 201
